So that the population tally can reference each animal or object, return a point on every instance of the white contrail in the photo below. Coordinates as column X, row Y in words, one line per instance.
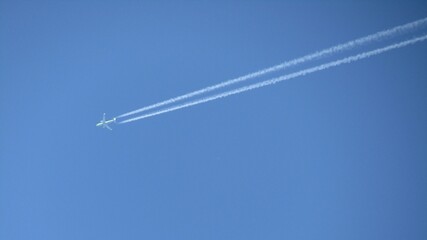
column 335, row 49
column 286, row 77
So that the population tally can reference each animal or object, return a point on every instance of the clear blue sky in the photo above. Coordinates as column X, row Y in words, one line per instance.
column 339, row 154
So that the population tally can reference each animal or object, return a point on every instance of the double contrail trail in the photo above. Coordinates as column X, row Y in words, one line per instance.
column 286, row 77
column 319, row 54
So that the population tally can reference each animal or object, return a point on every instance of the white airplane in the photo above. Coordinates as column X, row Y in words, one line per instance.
column 103, row 123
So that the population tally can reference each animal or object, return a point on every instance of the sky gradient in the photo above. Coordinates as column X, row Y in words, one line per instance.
column 337, row 154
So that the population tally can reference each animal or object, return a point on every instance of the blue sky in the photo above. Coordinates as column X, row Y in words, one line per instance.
column 339, row 154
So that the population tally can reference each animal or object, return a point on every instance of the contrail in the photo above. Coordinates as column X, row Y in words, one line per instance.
column 335, row 49
column 286, row 77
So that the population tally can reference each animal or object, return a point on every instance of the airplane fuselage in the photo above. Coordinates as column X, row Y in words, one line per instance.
column 102, row 123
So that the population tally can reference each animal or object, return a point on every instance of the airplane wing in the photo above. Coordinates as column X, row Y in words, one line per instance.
column 108, row 127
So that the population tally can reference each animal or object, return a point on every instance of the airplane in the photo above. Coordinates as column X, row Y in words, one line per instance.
column 103, row 123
